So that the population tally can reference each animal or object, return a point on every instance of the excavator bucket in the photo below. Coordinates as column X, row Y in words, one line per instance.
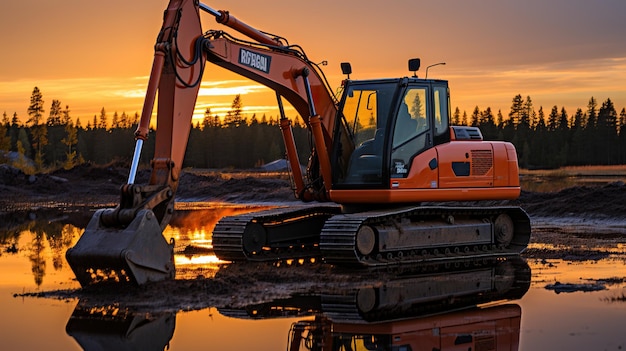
column 136, row 254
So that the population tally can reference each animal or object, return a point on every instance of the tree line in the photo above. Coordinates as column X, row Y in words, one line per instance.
column 594, row 136
column 42, row 144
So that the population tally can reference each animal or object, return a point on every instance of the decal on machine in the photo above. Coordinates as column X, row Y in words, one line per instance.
column 400, row 168
column 255, row 60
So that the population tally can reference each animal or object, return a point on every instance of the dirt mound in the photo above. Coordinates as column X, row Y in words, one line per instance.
column 15, row 183
column 234, row 285
column 85, row 172
column 607, row 201
column 214, row 187
column 89, row 185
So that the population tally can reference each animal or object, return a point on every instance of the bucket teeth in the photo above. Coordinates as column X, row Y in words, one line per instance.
column 136, row 254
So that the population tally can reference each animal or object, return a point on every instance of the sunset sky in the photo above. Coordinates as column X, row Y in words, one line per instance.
column 91, row 55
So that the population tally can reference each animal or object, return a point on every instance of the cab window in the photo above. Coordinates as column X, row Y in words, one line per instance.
column 411, row 132
column 365, row 110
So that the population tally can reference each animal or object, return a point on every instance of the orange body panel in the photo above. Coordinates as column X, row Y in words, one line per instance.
column 388, row 196
column 493, row 175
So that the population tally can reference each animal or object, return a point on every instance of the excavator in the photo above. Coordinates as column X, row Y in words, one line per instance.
column 384, row 166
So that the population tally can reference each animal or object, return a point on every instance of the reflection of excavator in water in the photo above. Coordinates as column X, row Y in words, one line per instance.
column 462, row 305
column 369, row 153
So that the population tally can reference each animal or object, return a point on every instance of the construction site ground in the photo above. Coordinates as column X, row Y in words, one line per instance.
column 579, row 223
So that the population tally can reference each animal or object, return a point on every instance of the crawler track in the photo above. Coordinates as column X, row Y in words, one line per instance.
column 431, row 236
column 272, row 235
column 373, row 238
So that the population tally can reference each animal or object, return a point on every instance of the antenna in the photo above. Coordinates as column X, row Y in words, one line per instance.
column 436, row 64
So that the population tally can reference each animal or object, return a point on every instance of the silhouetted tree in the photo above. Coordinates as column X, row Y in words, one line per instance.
column 517, row 110
column 70, row 140
column 54, row 117
column 38, row 129
column 5, row 142
column 234, row 116
column 103, row 124
column 456, row 117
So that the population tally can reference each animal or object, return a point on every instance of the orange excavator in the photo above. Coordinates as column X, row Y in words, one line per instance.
column 378, row 154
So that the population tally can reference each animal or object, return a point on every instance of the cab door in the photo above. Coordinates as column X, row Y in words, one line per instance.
column 365, row 107
column 422, row 122
column 412, row 131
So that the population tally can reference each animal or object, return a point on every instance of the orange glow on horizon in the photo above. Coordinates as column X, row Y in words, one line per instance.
column 96, row 61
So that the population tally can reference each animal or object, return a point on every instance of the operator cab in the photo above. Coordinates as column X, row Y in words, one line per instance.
column 387, row 123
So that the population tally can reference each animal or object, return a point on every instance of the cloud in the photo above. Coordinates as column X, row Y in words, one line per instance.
column 230, row 88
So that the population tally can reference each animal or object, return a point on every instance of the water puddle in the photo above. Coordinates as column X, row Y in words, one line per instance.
column 526, row 304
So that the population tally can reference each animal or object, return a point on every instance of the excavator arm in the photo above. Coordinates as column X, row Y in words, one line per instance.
column 182, row 51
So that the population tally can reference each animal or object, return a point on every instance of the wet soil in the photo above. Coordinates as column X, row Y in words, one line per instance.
column 578, row 223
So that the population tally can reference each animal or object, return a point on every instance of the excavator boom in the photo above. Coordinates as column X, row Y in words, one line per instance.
column 181, row 53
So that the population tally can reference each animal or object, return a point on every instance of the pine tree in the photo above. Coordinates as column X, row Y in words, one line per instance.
column 71, row 139
column 38, row 130
column 207, row 120
column 234, row 116
column 488, row 125
column 5, row 142
column 541, row 120
column 65, row 116
column 563, row 120
column 54, row 118
column 500, row 120
column 124, row 120
column 254, row 121
column 553, row 118
column 103, row 120
column 592, row 113
column 456, row 117
column 115, row 121
column 464, row 119
column 475, row 117
column 35, row 109
column 576, row 130
column 607, row 131
column 528, row 116
column 517, row 110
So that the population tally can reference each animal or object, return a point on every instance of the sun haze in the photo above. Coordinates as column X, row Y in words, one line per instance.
column 91, row 55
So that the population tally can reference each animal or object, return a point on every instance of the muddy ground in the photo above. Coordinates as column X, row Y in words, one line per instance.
column 579, row 223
